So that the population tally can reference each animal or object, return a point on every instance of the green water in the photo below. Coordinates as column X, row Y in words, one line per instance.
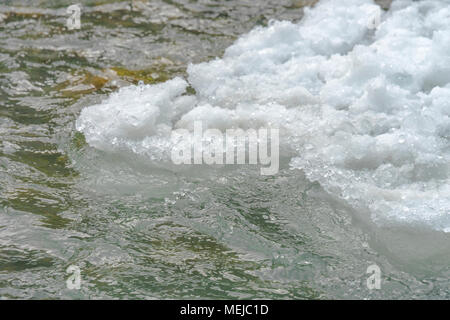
column 136, row 231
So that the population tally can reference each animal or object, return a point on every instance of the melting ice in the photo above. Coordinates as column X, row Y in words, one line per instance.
column 365, row 111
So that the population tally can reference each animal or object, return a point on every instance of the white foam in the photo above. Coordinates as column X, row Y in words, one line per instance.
column 366, row 111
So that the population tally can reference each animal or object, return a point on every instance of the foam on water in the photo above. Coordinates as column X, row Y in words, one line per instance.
column 367, row 112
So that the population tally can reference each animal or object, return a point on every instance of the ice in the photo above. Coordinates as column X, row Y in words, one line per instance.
column 366, row 111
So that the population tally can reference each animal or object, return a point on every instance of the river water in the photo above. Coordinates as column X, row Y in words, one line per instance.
column 139, row 229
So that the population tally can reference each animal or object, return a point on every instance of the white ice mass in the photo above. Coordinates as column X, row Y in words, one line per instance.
column 366, row 112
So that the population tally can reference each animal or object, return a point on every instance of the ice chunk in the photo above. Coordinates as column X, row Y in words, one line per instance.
column 366, row 110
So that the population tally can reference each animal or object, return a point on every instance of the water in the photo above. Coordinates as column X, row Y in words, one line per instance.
column 137, row 226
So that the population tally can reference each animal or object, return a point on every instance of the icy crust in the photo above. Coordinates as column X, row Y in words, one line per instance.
column 366, row 111
column 136, row 118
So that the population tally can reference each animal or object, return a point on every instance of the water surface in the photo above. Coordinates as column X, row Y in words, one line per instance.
column 139, row 231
